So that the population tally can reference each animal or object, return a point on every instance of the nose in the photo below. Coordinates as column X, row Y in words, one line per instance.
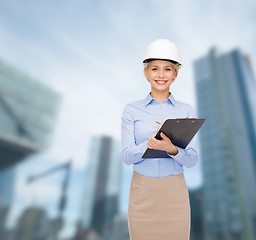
column 161, row 73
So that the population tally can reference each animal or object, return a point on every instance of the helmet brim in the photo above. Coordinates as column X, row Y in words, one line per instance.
column 153, row 59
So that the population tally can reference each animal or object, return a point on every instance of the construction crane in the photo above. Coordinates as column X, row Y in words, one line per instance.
column 63, row 199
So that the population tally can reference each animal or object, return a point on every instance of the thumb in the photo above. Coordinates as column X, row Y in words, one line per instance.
column 163, row 135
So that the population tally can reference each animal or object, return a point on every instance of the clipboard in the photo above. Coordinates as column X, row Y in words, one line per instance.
column 180, row 131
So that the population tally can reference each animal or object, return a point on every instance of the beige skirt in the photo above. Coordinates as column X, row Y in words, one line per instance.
column 158, row 208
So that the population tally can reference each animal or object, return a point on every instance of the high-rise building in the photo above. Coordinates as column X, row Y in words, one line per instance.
column 28, row 111
column 197, row 207
column 121, row 231
column 32, row 224
column 226, row 97
column 7, row 177
column 100, row 201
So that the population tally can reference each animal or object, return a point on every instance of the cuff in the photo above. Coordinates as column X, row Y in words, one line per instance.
column 143, row 147
column 179, row 155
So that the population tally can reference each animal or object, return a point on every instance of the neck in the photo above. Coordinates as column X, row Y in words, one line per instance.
column 159, row 96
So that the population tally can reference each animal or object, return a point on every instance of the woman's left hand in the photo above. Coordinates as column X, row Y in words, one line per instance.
column 165, row 144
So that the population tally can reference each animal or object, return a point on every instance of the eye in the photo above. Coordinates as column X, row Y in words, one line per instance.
column 154, row 69
column 168, row 69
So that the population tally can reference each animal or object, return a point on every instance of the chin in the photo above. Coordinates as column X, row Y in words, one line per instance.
column 162, row 89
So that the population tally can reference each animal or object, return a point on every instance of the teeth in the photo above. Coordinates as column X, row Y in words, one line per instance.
column 160, row 81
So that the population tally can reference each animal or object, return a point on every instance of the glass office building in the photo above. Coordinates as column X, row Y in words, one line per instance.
column 7, row 177
column 28, row 112
column 100, row 202
column 225, row 97
column 33, row 223
column 196, row 204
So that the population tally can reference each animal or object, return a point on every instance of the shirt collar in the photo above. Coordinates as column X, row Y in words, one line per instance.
column 149, row 99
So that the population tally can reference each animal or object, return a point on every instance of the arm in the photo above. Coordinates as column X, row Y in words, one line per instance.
column 131, row 152
column 188, row 156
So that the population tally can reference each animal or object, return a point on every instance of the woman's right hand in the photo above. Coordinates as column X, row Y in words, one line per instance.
column 159, row 126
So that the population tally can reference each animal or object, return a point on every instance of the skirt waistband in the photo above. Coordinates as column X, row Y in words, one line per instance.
column 140, row 178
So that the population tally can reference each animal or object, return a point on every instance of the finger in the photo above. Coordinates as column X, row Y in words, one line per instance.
column 150, row 145
column 163, row 135
column 152, row 137
column 160, row 125
column 152, row 142
column 165, row 138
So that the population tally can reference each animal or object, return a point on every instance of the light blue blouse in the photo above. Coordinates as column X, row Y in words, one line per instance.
column 138, row 125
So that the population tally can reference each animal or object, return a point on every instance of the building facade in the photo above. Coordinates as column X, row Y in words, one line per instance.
column 100, row 201
column 197, row 209
column 28, row 111
column 224, row 89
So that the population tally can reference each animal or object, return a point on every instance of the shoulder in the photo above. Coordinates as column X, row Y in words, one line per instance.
column 188, row 108
column 133, row 106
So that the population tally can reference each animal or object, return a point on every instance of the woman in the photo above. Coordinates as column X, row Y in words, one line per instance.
column 159, row 205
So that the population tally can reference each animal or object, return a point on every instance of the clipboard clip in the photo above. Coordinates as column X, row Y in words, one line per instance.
column 185, row 118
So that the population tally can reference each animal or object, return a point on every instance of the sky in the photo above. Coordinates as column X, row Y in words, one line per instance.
column 90, row 52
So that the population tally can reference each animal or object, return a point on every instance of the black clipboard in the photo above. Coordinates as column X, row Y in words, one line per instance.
column 179, row 130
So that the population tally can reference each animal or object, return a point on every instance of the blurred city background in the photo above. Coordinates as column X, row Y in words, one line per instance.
column 67, row 68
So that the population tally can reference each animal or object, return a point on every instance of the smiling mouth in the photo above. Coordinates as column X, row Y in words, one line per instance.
column 160, row 82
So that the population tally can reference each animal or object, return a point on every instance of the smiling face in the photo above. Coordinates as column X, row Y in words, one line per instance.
column 160, row 74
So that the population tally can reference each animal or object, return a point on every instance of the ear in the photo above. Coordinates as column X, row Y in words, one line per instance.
column 145, row 73
column 176, row 74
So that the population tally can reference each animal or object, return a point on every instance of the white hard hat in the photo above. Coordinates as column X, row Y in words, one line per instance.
column 163, row 49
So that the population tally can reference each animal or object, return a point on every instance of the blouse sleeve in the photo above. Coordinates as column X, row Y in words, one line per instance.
column 188, row 156
column 131, row 152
